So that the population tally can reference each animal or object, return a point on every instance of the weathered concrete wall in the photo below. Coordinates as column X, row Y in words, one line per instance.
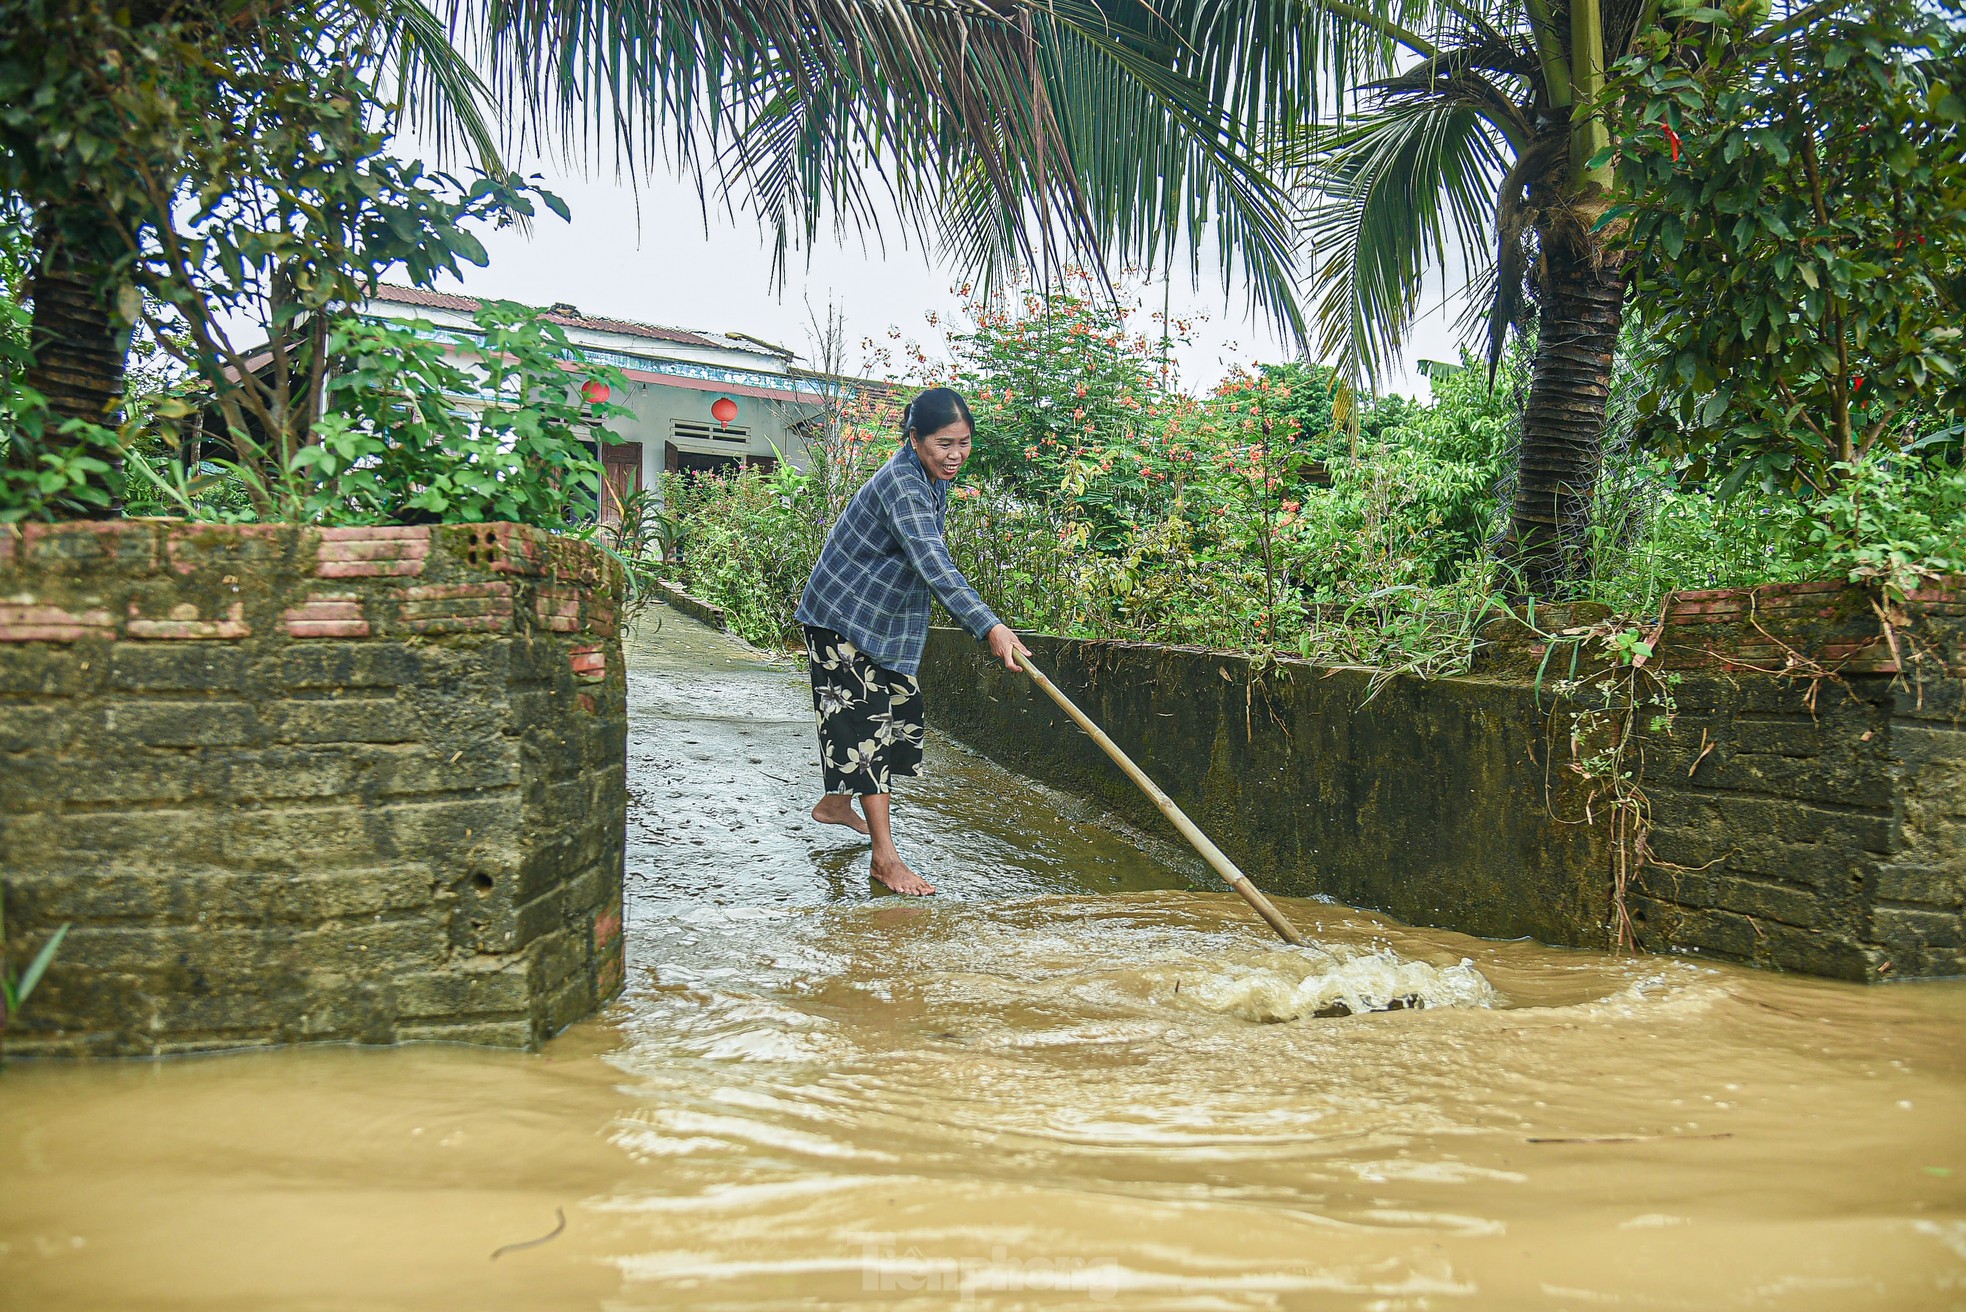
column 294, row 784
column 1825, row 806
column 1424, row 800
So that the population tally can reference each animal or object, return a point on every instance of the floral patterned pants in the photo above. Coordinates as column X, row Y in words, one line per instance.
column 870, row 719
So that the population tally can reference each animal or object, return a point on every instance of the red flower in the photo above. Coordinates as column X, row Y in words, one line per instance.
column 1672, row 139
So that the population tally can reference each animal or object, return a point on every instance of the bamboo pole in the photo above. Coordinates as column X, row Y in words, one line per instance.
column 1189, row 830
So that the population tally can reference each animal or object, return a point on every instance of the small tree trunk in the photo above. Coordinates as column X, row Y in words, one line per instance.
column 78, row 351
column 1580, row 309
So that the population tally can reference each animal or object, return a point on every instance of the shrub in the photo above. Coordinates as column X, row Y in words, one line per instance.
column 414, row 433
column 1797, row 210
column 748, row 543
column 1280, row 513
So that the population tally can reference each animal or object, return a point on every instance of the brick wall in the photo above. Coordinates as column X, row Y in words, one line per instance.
column 1807, row 798
column 293, row 784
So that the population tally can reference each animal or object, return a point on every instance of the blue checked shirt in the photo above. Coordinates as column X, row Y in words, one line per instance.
column 882, row 562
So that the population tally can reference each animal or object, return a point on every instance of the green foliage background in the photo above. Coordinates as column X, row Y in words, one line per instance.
column 1278, row 511
column 1799, row 214
column 1791, row 403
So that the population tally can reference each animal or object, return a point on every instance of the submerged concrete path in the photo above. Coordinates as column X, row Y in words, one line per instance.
column 723, row 771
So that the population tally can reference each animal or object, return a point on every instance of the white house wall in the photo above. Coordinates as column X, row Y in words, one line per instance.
column 655, row 404
column 655, row 407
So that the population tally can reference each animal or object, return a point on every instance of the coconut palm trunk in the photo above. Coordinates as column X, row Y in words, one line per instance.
column 1484, row 145
column 1580, row 306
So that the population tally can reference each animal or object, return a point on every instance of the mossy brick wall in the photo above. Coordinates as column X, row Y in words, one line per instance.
column 1809, row 799
column 293, row 784
column 1808, row 811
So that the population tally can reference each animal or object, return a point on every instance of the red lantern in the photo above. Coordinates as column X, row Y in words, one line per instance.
column 595, row 392
column 724, row 410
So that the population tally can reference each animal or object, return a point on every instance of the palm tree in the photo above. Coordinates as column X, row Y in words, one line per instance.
column 1012, row 133
column 1481, row 142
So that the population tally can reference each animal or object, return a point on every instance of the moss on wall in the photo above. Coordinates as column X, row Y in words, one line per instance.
column 1807, row 792
column 295, row 784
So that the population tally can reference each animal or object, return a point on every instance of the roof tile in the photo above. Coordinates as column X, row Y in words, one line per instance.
column 433, row 300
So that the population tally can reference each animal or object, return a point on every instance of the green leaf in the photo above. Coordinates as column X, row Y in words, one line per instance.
column 470, row 248
column 37, row 968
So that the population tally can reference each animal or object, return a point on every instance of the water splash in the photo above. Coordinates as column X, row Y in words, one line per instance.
column 1044, row 952
column 1321, row 984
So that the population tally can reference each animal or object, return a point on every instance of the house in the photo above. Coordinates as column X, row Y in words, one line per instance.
column 699, row 401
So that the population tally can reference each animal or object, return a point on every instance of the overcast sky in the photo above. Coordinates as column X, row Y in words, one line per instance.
column 649, row 257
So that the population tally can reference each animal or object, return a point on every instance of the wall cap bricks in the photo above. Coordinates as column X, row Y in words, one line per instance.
column 1809, row 629
column 173, row 580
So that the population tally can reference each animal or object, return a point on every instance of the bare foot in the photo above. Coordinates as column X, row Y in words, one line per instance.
column 894, row 873
column 837, row 809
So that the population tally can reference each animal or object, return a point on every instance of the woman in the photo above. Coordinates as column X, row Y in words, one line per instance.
column 865, row 613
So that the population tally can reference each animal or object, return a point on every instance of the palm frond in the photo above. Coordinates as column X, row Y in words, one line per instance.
column 1409, row 185
column 1159, row 163
column 975, row 232
column 1039, row 130
column 440, row 93
column 1497, row 291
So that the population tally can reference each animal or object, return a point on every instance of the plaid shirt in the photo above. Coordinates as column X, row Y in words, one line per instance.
column 882, row 561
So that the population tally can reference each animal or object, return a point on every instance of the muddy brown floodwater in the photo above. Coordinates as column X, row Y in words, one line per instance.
column 1068, row 1081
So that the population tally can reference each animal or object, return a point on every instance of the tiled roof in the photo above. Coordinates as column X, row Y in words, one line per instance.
column 430, row 300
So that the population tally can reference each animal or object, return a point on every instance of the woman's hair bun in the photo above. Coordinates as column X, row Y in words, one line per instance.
column 934, row 410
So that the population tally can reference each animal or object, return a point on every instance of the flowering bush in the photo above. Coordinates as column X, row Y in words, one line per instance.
column 1104, row 502
column 1053, row 378
column 1275, row 512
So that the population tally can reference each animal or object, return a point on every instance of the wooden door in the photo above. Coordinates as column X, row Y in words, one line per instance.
column 621, row 478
